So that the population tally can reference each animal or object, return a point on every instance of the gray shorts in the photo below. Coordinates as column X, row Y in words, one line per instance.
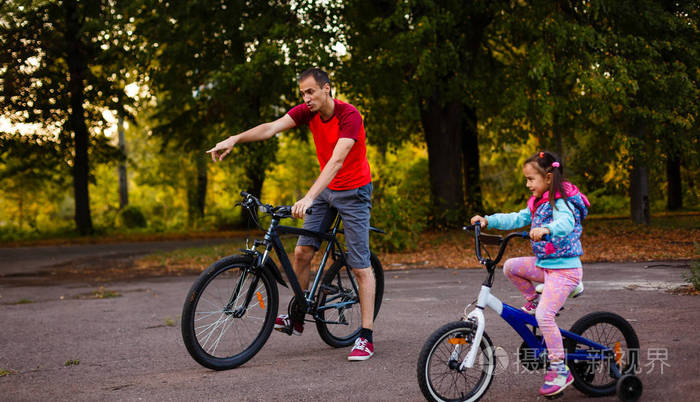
column 354, row 206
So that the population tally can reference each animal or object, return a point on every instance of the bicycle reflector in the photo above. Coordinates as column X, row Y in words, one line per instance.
column 260, row 299
column 618, row 354
column 457, row 341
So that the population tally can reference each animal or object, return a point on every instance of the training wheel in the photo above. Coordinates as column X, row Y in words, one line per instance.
column 629, row 387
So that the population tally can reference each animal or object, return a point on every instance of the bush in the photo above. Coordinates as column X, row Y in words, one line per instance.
column 693, row 277
column 131, row 217
column 401, row 210
column 608, row 204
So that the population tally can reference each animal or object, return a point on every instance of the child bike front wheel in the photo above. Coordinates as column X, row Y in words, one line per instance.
column 440, row 375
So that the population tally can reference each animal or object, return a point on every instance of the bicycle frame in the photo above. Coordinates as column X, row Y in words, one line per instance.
column 519, row 320
column 272, row 241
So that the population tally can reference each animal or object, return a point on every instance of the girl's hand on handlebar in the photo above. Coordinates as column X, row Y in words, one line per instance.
column 537, row 233
column 482, row 221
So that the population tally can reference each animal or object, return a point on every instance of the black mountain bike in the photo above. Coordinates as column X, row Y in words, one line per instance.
column 231, row 308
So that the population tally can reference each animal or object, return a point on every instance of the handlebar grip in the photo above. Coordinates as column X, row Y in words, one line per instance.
column 308, row 211
column 526, row 235
column 244, row 194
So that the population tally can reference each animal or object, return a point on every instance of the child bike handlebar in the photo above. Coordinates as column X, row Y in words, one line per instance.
column 497, row 240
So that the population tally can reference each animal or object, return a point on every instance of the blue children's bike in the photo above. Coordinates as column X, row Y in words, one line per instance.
column 458, row 361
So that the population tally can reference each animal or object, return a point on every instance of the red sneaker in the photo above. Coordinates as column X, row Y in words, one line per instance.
column 284, row 324
column 362, row 350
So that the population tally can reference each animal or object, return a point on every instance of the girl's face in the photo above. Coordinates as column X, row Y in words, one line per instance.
column 537, row 183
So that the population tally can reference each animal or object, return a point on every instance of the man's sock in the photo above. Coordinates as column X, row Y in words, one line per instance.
column 367, row 334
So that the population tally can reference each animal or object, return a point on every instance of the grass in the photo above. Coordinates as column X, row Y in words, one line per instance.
column 71, row 362
column 5, row 372
column 99, row 293
column 24, row 301
column 169, row 322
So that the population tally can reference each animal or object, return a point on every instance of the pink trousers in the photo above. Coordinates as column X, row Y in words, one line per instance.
column 558, row 283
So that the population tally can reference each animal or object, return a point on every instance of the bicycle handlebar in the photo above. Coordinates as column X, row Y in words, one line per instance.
column 502, row 241
column 282, row 211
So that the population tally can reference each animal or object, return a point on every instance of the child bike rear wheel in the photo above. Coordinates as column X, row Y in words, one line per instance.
column 439, row 374
column 596, row 377
column 339, row 303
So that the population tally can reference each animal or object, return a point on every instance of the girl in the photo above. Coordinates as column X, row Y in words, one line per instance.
column 555, row 208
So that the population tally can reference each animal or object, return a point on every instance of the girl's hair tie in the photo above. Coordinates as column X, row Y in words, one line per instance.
column 541, row 155
column 555, row 164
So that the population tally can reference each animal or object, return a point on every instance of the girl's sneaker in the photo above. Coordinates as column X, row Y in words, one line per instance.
column 530, row 307
column 555, row 382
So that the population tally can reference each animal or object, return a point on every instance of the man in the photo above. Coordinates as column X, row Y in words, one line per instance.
column 344, row 183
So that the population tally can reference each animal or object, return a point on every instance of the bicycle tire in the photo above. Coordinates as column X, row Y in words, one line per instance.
column 203, row 331
column 337, row 285
column 437, row 361
column 615, row 330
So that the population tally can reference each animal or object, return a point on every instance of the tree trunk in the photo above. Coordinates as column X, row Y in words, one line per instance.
column 639, row 193
column 442, row 125
column 123, row 185
column 201, row 183
column 77, row 65
column 196, row 190
column 675, row 190
column 470, row 157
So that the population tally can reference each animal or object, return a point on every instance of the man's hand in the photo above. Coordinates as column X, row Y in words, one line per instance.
column 537, row 233
column 300, row 207
column 482, row 221
column 222, row 149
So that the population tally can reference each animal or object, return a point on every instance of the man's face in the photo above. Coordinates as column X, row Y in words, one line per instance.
column 314, row 96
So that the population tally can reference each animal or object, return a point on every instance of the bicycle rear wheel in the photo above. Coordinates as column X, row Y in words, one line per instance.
column 439, row 375
column 219, row 331
column 339, row 303
column 595, row 377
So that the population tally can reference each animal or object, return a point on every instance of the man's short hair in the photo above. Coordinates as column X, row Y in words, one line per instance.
column 319, row 75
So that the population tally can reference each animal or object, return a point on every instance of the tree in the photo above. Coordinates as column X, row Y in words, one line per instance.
column 217, row 69
column 60, row 67
column 425, row 67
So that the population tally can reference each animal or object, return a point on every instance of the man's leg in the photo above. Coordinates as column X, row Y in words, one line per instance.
column 302, row 264
column 366, row 285
column 354, row 207
column 303, row 254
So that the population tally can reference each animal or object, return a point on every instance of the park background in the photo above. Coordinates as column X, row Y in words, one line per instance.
column 108, row 108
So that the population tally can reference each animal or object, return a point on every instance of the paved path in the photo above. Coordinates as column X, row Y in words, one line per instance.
column 26, row 260
column 129, row 347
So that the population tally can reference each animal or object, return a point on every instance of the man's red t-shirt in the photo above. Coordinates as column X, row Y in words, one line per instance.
column 346, row 122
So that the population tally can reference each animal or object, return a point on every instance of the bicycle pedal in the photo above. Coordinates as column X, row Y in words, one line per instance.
column 284, row 330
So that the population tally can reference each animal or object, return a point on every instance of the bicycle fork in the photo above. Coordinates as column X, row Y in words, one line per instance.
column 476, row 317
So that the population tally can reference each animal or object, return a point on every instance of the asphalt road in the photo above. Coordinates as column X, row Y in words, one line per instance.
column 59, row 343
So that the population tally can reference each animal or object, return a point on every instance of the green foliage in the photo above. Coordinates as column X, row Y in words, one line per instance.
column 693, row 276
column 602, row 203
column 401, row 203
column 131, row 217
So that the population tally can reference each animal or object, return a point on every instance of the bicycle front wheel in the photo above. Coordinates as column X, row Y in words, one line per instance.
column 339, row 303
column 229, row 313
column 439, row 374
